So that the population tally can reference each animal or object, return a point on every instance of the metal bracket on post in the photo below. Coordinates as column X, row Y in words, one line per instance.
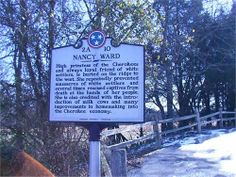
column 94, row 132
column 94, row 148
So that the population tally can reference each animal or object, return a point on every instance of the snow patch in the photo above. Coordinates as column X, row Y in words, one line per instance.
column 221, row 149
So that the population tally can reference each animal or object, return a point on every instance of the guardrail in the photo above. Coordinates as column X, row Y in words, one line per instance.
column 157, row 132
column 153, row 130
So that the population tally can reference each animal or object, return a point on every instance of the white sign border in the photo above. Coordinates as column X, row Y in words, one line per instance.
column 99, row 121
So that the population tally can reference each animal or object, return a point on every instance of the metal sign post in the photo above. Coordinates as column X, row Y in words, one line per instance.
column 94, row 150
column 97, row 84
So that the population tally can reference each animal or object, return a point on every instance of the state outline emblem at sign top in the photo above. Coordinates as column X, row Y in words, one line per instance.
column 96, row 39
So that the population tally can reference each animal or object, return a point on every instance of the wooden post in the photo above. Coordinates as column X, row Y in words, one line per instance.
column 221, row 118
column 119, row 163
column 198, row 120
column 106, row 171
column 157, row 132
column 235, row 117
column 141, row 130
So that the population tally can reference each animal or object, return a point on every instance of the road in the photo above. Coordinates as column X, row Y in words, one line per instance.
column 179, row 162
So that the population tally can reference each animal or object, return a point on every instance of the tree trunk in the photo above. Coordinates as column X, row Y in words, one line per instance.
column 169, row 86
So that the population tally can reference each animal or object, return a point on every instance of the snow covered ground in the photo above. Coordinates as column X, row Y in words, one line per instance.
column 210, row 154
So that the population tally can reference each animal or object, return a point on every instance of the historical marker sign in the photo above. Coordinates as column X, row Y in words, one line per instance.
column 97, row 82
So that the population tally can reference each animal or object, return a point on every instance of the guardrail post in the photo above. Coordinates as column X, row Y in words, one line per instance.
column 198, row 120
column 235, row 117
column 157, row 132
column 221, row 118
column 141, row 130
column 106, row 170
column 119, row 163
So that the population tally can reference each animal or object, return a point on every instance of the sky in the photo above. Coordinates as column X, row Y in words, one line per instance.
column 213, row 6
column 5, row 64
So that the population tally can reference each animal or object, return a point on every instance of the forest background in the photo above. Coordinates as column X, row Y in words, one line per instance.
column 190, row 64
